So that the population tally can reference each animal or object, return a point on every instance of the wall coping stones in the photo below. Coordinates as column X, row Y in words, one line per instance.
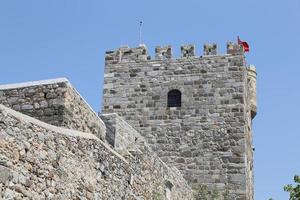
column 35, row 83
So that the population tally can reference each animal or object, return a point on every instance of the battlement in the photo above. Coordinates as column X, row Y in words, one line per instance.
column 210, row 49
column 234, row 48
column 140, row 53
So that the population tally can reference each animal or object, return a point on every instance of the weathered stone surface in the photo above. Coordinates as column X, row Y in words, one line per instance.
column 123, row 137
column 209, row 137
column 163, row 52
column 124, row 54
column 252, row 90
column 58, row 163
column 4, row 174
column 55, row 102
column 210, row 49
column 187, row 50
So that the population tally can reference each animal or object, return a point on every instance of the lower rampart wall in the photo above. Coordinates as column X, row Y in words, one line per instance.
column 41, row 161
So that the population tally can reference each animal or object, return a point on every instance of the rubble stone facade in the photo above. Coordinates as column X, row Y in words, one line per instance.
column 53, row 101
column 41, row 161
column 170, row 129
column 209, row 136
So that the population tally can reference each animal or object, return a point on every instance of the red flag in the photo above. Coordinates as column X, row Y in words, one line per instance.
column 244, row 44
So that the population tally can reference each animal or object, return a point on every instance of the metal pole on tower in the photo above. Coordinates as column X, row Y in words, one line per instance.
column 141, row 24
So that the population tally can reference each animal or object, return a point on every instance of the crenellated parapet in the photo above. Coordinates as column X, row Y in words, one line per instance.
column 140, row 53
column 125, row 53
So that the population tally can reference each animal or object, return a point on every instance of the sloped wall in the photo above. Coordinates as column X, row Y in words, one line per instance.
column 38, row 161
column 55, row 102
column 121, row 135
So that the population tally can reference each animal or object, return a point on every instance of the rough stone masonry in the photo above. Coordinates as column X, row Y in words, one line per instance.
column 41, row 161
column 169, row 128
column 194, row 111
column 63, row 153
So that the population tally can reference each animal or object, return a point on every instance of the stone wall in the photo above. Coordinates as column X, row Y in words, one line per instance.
column 251, row 113
column 55, row 102
column 208, row 137
column 121, row 135
column 41, row 161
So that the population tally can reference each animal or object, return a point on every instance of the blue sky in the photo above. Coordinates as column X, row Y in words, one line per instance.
column 68, row 38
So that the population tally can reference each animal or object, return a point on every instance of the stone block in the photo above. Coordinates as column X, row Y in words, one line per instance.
column 234, row 48
column 163, row 52
column 5, row 174
column 187, row 50
column 210, row 49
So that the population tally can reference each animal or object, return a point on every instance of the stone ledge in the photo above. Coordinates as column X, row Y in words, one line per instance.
column 35, row 83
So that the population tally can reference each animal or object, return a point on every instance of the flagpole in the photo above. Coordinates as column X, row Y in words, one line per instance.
column 140, row 38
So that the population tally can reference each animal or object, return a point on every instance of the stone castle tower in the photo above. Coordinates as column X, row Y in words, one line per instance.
column 195, row 111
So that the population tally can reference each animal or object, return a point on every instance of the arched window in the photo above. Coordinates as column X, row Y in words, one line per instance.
column 174, row 98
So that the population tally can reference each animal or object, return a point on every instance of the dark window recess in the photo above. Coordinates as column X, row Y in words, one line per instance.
column 168, row 190
column 174, row 98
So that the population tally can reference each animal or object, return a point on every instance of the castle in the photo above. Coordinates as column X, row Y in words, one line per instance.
column 170, row 128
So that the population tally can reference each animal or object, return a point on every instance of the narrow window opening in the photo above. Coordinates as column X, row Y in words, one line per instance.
column 168, row 191
column 174, row 98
